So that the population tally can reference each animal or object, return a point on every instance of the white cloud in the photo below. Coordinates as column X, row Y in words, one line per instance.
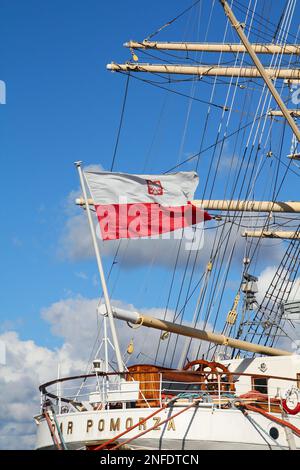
column 266, row 278
column 27, row 366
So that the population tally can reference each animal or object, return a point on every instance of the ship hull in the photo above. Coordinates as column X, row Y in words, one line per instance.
column 195, row 429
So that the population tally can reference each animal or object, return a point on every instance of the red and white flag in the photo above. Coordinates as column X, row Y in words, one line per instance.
column 134, row 206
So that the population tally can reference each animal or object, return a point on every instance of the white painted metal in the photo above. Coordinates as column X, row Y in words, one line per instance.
column 105, row 339
column 58, row 391
column 124, row 392
column 101, row 272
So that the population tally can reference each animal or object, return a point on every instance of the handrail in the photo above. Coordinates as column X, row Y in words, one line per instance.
column 42, row 387
column 173, row 386
column 45, row 392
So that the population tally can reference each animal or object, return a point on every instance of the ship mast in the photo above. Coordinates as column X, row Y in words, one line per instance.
column 230, row 205
column 287, row 49
column 286, row 235
column 258, row 70
column 137, row 318
column 207, row 70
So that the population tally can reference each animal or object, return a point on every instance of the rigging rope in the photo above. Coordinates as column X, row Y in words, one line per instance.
column 165, row 25
column 121, row 122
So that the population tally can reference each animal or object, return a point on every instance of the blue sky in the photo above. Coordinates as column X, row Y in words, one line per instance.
column 62, row 106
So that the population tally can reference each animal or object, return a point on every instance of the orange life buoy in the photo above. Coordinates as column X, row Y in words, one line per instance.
column 291, row 411
column 291, row 403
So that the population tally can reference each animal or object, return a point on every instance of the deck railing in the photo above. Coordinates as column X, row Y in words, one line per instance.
column 77, row 393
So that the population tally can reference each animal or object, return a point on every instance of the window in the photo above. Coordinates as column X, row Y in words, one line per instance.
column 260, row 384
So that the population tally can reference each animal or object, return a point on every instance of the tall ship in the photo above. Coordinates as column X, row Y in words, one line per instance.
column 223, row 371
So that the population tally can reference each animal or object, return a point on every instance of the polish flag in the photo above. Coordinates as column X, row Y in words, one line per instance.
column 135, row 206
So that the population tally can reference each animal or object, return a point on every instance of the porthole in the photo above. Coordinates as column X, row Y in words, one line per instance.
column 274, row 433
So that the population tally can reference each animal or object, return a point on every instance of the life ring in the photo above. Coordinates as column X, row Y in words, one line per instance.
column 291, row 411
column 291, row 404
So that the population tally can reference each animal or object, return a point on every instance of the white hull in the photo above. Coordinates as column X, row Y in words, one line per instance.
column 197, row 428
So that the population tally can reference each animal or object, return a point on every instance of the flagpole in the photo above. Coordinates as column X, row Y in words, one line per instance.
column 101, row 271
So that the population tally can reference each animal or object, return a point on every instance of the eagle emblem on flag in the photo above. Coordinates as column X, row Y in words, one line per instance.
column 155, row 188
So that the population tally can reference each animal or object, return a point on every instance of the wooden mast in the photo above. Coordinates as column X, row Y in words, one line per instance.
column 269, row 234
column 277, row 113
column 291, row 49
column 205, row 70
column 163, row 325
column 249, row 206
column 230, row 205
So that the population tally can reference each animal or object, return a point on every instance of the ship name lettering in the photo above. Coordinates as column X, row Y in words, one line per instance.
column 115, row 425
column 101, row 425
column 129, row 423
column 70, row 427
column 142, row 426
column 171, row 425
column 89, row 424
